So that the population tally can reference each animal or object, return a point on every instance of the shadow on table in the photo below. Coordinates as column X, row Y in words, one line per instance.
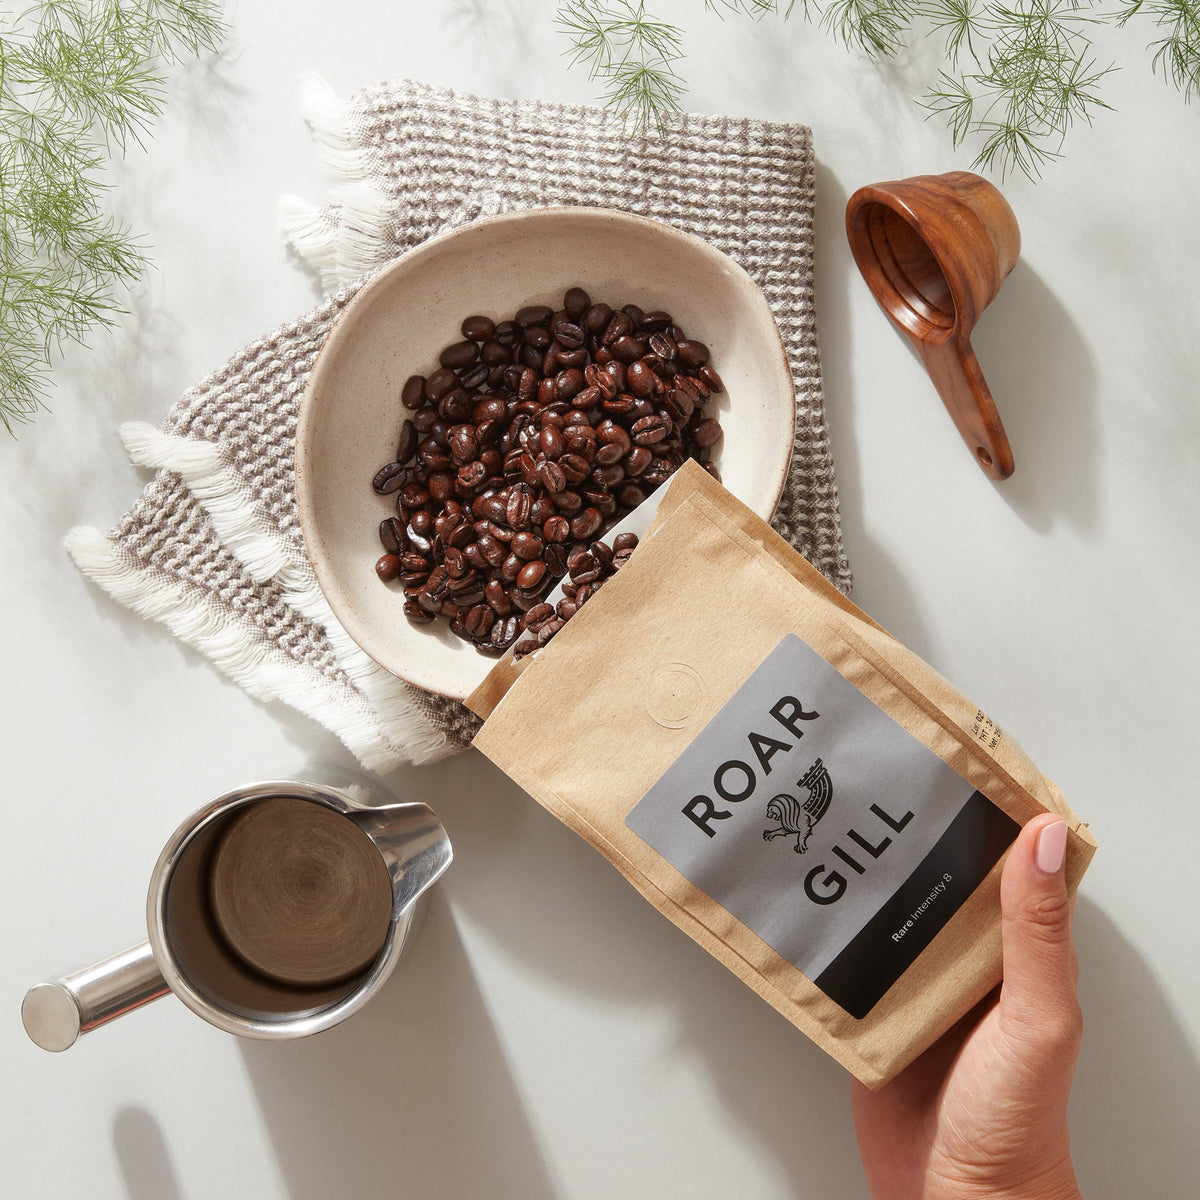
column 143, row 1157
column 1137, row 1089
column 576, row 923
column 1042, row 377
column 881, row 587
column 412, row 1097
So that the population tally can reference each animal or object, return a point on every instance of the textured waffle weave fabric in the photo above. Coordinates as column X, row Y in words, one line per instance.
column 213, row 547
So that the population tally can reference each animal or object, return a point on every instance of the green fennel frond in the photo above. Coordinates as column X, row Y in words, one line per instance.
column 1015, row 77
column 631, row 53
column 78, row 80
column 1177, row 53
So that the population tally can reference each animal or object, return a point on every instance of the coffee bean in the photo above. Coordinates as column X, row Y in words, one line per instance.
column 507, row 333
column 388, row 567
column 479, row 620
column 627, row 350
column 391, row 536
column 531, row 574
column 553, row 478
column 519, row 506
column 649, row 430
column 679, row 404
column 533, row 314
column 576, row 302
column 478, row 328
column 389, row 479
column 412, row 395
column 585, row 524
column 440, row 383
column 640, row 380
column 459, row 355
column 619, row 326
column 707, row 433
column 527, row 546
column 568, row 383
column 691, row 354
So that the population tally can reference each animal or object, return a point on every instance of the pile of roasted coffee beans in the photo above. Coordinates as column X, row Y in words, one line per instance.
column 531, row 440
column 587, row 569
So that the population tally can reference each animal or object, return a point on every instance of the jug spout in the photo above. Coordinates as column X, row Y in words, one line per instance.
column 414, row 845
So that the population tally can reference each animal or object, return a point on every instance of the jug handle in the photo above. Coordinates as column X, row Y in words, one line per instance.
column 55, row 1014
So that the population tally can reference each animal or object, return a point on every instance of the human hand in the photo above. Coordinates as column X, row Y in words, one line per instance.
column 983, row 1113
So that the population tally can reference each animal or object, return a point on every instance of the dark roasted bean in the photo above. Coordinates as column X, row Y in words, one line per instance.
column 416, row 614
column 527, row 546
column 691, row 354
column 531, row 574
column 478, row 328
column 556, row 529
column 707, row 433
column 586, row 523
column 649, row 430
column 609, row 476
column 391, row 536
column 507, row 333
column 619, row 326
column 387, row 568
column 459, row 355
column 412, row 395
column 479, row 620
column 440, row 383
column 710, row 379
column 390, row 479
column 569, row 335
column 533, row 314
column 568, row 383
column 519, row 506
column 627, row 350
column 609, row 453
column 640, row 380
column 596, row 318
column 539, row 614
column 553, row 478
column 679, row 404
column 576, row 302
column 662, row 345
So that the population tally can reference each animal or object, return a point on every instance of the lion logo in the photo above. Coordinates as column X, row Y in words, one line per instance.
column 796, row 819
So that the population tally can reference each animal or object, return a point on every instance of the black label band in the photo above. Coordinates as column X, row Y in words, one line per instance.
column 891, row 940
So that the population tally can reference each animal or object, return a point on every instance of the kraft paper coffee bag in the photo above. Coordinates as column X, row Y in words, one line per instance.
column 799, row 793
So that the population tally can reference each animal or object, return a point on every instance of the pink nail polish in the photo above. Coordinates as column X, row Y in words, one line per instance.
column 1051, row 848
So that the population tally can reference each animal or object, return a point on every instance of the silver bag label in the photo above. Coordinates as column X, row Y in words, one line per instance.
column 823, row 825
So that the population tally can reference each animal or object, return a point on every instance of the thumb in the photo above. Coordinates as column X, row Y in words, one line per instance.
column 1040, row 967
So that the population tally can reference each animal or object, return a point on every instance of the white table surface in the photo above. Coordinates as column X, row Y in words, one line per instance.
column 551, row 1035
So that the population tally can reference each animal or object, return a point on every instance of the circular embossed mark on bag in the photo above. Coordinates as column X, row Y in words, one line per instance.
column 674, row 695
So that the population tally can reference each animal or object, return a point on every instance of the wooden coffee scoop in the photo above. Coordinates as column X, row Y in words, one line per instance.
column 934, row 250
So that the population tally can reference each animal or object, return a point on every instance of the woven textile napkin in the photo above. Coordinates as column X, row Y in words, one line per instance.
column 212, row 547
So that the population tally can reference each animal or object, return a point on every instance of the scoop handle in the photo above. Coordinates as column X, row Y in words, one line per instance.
column 956, row 374
column 55, row 1014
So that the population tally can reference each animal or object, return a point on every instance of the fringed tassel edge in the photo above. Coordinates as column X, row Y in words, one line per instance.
column 348, row 239
column 248, row 662
column 403, row 727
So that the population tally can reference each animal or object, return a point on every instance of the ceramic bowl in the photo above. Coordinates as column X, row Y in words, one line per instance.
column 398, row 323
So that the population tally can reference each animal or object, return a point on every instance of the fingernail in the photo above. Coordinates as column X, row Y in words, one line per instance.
column 1051, row 848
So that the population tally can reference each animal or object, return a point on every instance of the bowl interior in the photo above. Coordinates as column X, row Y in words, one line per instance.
column 396, row 326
